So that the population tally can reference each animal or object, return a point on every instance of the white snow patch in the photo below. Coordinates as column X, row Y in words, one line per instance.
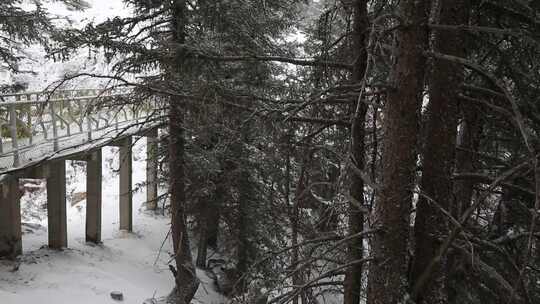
column 85, row 273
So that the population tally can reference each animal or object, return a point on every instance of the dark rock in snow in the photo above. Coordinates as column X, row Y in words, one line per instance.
column 117, row 295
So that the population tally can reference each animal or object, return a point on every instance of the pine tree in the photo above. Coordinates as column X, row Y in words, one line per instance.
column 269, row 135
column 388, row 274
column 353, row 279
column 438, row 155
column 20, row 28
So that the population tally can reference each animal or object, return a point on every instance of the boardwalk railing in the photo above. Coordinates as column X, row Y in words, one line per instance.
column 37, row 123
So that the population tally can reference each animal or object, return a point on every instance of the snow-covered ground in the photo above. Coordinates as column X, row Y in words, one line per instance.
column 133, row 263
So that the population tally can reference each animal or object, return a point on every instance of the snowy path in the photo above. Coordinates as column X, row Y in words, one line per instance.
column 86, row 274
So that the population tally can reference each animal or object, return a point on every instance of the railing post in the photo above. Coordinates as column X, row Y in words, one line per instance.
column 61, row 109
column 64, row 118
column 116, row 120
column 13, row 130
column 1, row 139
column 30, row 127
column 42, row 110
column 54, row 126
column 77, row 119
column 88, row 120
column 69, row 114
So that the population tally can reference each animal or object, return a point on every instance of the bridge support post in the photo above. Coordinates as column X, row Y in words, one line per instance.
column 56, row 203
column 126, row 199
column 152, row 169
column 93, row 197
column 10, row 218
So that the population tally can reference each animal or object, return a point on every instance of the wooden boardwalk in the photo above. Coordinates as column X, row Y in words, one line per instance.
column 37, row 126
column 39, row 131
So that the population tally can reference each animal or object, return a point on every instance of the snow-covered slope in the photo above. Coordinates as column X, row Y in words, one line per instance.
column 133, row 263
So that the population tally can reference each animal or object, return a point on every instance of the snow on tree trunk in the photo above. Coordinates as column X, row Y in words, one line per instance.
column 186, row 280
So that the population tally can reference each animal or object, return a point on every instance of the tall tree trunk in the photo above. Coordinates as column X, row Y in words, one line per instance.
column 203, row 227
column 438, row 155
column 186, row 280
column 353, row 277
column 468, row 142
column 208, row 222
column 246, row 209
column 467, row 145
column 214, row 213
column 244, row 249
column 295, row 218
column 388, row 273
column 297, row 278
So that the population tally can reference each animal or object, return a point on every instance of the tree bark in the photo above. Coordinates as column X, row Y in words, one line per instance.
column 185, row 276
column 246, row 210
column 466, row 161
column 214, row 213
column 353, row 276
column 438, row 155
column 388, row 273
column 203, row 227
column 244, row 249
column 208, row 222
column 186, row 280
column 468, row 141
column 297, row 277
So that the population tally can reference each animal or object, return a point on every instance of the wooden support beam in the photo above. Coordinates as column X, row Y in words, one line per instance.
column 152, row 169
column 82, row 156
column 126, row 199
column 10, row 218
column 35, row 172
column 93, row 197
column 30, row 125
column 55, row 172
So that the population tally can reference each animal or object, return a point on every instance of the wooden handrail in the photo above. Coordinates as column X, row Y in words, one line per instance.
column 6, row 103
column 47, row 119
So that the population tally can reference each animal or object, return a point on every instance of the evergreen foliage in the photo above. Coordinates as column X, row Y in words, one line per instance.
column 266, row 94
